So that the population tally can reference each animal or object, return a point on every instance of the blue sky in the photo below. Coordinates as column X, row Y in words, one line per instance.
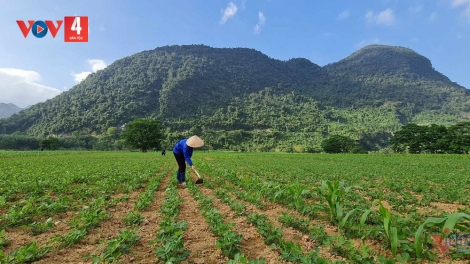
column 323, row 31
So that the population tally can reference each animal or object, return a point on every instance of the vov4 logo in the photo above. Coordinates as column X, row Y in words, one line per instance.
column 75, row 28
column 459, row 241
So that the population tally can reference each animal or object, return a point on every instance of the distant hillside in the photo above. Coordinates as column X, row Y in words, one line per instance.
column 7, row 110
column 224, row 90
column 378, row 72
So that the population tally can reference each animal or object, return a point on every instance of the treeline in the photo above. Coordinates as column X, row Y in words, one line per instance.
column 413, row 138
column 76, row 141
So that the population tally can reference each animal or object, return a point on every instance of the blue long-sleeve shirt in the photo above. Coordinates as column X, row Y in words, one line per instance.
column 182, row 148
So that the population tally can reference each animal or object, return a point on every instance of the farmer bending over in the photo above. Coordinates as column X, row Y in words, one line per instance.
column 183, row 151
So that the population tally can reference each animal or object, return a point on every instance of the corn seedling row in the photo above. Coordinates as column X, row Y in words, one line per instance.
column 170, row 233
column 227, row 240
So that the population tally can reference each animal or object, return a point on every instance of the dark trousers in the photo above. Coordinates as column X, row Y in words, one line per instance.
column 181, row 162
column 181, row 168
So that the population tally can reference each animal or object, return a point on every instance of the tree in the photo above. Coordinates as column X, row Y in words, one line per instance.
column 50, row 143
column 340, row 144
column 459, row 137
column 411, row 138
column 436, row 139
column 143, row 133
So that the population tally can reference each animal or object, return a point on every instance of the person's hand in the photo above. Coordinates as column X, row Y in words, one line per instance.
column 193, row 167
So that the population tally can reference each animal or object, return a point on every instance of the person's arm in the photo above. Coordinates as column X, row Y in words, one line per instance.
column 187, row 153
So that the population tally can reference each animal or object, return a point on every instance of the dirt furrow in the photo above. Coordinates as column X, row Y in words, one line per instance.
column 92, row 243
column 142, row 252
column 273, row 211
column 21, row 237
column 95, row 241
column 197, row 237
column 252, row 244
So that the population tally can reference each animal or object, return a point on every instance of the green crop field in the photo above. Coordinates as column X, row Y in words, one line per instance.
column 126, row 207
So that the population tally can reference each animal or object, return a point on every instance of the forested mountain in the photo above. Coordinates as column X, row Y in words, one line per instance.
column 377, row 73
column 7, row 110
column 241, row 97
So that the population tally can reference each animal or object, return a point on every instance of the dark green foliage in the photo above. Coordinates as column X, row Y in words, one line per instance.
column 78, row 142
column 143, row 134
column 413, row 138
column 379, row 73
column 340, row 144
column 459, row 138
column 19, row 142
column 50, row 143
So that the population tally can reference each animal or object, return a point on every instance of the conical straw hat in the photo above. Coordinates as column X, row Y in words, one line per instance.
column 195, row 142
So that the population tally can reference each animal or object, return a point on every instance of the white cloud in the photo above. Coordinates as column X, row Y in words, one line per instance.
column 228, row 13
column 466, row 3
column 22, row 87
column 261, row 23
column 343, row 15
column 257, row 29
column 366, row 42
column 243, row 4
column 262, row 19
column 96, row 65
column 78, row 77
column 385, row 17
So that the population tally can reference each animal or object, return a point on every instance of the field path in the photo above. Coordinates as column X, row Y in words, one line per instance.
column 142, row 252
column 198, row 237
column 252, row 244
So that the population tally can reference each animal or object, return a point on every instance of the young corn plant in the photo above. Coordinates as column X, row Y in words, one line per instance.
column 170, row 233
column 40, row 227
column 133, row 218
column 173, row 250
column 346, row 248
column 395, row 231
column 272, row 235
column 242, row 259
column 294, row 222
column 71, row 238
column 26, row 254
column 144, row 200
column 459, row 222
column 333, row 193
column 3, row 240
column 117, row 247
column 228, row 241
column 240, row 208
column 390, row 230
